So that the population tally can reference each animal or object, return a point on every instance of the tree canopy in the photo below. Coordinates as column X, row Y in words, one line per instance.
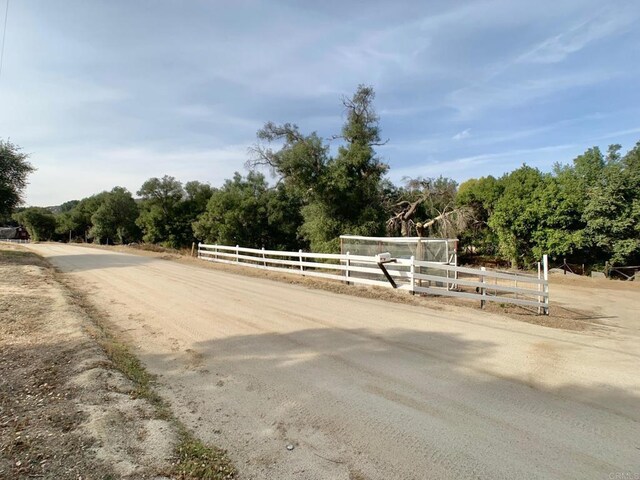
column 14, row 170
column 341, row 194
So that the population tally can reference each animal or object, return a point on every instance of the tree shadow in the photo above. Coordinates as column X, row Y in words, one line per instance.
column 398, row 404
column 91, row 261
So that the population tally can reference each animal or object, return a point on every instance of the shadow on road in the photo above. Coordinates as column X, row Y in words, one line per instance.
column 86, row 262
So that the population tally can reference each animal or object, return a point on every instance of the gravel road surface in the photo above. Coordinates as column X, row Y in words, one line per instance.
column 366, row 389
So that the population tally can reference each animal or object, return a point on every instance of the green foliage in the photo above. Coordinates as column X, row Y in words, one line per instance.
column 115, row 219
column 515, row 217
column 14, row 170
column 481, row 196
column 245, row 211
column 168, row 209
column 75, row 220
column 586, row 212
column 612, row 211
column 159, row 217
column 39, row 222
column 341, row 195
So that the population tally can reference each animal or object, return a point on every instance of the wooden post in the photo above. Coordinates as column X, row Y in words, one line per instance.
column 237, row 253
column 215, row 251
column 483, row 290
column 264, row 262
column 193, row 248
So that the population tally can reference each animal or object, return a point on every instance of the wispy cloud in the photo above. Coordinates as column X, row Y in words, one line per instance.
column 473, row 100
column 466, row 133
column 459, row 168
column 618, row 134
column 557, row 48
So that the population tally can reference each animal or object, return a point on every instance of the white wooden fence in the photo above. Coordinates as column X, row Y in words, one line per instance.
column 409, row 274
column 13, row 240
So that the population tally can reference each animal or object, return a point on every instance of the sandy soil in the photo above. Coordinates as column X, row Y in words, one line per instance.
column 65, row 412
column 367, row 389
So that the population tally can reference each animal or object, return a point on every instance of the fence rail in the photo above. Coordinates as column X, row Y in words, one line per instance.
column 13, row 240
column 408, row 274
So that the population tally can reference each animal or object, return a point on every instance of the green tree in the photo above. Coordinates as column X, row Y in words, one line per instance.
column 612, row 212
column 480, row 195
column 195, row 204
column 14, row 170
column 245, row 211
column 39, row 222
column 161, row 198
column 115, row 218
column 341, row 195
column 168, row 210
column 75, row 218
column 516, row 216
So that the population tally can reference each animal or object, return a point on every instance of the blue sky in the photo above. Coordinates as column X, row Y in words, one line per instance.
column 105, row 93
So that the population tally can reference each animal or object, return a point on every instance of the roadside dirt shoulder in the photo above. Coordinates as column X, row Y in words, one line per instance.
column 65, row 411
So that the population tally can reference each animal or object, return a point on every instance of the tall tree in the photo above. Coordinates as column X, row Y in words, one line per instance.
column 480, row 196
column 14, row 170
column 612, row 212
column 515, row 215
column 159, row 212
column 115, row 219
column 343, row 194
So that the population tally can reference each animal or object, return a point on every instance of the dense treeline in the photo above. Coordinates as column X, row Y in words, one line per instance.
column 587, row 211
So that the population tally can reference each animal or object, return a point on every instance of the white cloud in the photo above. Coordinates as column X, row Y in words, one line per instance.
column 557, row 48
column 492, row 163
column 475, row 99
column 466, row 133
column 619, row 133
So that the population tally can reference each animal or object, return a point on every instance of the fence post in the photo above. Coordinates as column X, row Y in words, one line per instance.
column 301, row 265
column 483, row 290
column 545, row 270
column 198, row 249
column 539, row 287
column 237, row 253
column 412, row 273
column 215, row 251
column 446, row 259
column 264, row 262
column 347, row 273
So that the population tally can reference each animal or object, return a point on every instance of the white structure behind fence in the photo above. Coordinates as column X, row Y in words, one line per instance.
column 434, row 278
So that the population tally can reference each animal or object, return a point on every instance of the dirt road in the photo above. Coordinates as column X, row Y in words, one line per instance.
column 365, row 389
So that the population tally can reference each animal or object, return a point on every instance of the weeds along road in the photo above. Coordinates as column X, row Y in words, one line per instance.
column 365, row 389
